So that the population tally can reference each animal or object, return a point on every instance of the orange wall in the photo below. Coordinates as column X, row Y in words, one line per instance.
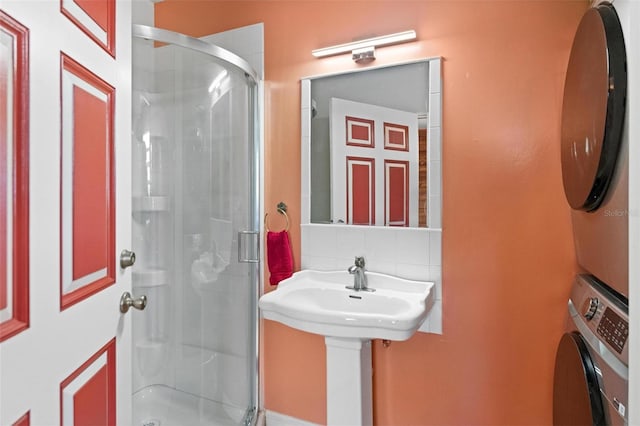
column 507, row 246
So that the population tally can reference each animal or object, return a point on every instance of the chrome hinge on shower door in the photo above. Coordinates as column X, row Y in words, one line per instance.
column 248, row 246
column 249, row 417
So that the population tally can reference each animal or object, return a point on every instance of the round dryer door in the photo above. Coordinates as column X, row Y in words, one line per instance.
column 576, row 393
column 593, row 108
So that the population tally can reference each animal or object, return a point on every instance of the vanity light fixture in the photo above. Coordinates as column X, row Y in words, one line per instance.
column 364, row 50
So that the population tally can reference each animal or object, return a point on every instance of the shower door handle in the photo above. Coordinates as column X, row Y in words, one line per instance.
column 248, row 239
column 126, row 302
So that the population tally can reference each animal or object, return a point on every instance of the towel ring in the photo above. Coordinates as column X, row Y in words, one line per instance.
column 282, row 209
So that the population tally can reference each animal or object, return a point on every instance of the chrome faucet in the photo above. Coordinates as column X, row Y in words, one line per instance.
column 359, row 278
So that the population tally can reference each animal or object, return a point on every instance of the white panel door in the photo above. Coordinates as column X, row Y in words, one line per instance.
column 66, row 357
column 374, row 164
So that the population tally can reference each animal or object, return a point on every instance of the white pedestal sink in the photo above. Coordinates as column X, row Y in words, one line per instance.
column 318, row 302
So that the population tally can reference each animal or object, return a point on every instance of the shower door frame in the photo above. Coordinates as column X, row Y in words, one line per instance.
column 255, row 108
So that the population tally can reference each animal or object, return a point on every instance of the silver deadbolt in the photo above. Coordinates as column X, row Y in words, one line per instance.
column 127, row 258
column 126, row 302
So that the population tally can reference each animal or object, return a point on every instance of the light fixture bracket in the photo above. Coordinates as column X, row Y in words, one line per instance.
column 363, row 55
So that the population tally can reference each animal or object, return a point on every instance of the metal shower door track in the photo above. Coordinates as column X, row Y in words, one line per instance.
column 171, row 37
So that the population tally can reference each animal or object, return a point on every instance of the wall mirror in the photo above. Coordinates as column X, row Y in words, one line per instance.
column 371, row 146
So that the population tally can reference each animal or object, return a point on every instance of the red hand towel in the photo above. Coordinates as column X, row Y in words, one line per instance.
column 279, row 257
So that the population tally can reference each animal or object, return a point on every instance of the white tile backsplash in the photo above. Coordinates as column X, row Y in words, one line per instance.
column 413, row 248
column 380, row 245
column 384, row 267
column 413, row 253
column 316, row 239
column 435, row 76
column 413, row 271
column 435, row 275
column 320, row 263
column 434, row 141
column 435, row 249
column 305, row 126
column 349, row 241
column 434, row 178
column 433, row 323
column 435, row 106
column 435, row 211
column 305, row 93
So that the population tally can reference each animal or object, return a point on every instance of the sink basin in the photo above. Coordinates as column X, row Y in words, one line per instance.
column 318, row 302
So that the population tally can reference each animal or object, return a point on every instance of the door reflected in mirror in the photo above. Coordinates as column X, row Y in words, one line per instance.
column 371, row 154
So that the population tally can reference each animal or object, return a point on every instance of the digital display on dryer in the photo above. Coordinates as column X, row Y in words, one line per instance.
column 614, row 330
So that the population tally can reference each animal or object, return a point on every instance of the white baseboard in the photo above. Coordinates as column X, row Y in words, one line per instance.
column 277, row 419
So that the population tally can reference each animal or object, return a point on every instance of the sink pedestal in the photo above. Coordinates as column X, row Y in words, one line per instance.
column 349, row 395
column 321, row 302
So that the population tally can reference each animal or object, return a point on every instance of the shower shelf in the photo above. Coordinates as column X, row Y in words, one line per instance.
column 151, row 204
column 151, row 354
column 150, row 277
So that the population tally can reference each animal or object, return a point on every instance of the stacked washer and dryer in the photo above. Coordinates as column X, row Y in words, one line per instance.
column 591, row 370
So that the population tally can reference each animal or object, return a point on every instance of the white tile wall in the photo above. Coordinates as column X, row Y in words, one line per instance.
column 434, row 142
column 435, row 252
column 435, row 215
column 434, row 107
column 305, row 172
column 435, row 73
column 381, row 246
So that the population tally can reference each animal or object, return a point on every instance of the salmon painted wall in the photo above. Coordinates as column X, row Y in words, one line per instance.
column 508, row 254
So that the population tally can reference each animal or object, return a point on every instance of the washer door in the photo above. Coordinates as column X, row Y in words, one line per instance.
column 593, row 108
column 576, row 393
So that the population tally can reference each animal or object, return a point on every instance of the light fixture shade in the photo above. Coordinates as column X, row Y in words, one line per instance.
column 360, row 44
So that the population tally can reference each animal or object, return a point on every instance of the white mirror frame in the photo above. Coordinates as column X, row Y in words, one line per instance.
column 434, row 141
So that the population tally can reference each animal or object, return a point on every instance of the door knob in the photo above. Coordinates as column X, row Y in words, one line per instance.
column 126, row 302
column 127, row 258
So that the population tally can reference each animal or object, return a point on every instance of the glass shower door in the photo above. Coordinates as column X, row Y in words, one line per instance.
column 194, row 202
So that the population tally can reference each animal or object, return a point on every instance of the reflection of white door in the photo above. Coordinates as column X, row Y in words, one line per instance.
column 71, row 362
column 374, row 164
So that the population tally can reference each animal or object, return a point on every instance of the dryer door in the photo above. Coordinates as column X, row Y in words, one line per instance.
column 576, row 393
column 593, row 108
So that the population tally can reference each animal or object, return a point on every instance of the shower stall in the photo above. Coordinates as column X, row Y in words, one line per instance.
column 195, row 155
